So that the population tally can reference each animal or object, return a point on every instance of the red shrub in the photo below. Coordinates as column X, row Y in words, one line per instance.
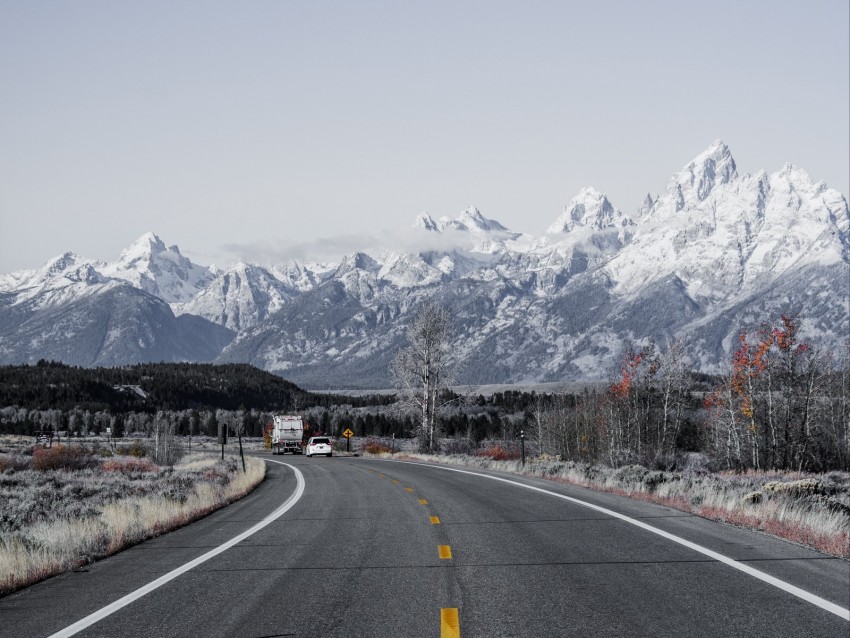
column 498, row 453
column 374, row 446
column 62, row 457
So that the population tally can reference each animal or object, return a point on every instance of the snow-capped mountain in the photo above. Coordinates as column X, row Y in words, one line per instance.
column 62, row 279
column 148, row 265
column 473, row 232
column 720, row 234
column 715, row 252
column 239, row 297
column 589, row 209
column 87, row 312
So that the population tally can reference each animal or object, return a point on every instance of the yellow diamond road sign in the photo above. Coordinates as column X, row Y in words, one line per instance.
column 348, row 433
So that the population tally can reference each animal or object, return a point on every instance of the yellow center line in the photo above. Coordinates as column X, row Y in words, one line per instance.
column 422, row 501
column 408, row 489
column 449, row 623
column 394, row 481
column 445, row 551
column 435, row 520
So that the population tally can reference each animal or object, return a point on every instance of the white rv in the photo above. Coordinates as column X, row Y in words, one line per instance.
column 287, row 433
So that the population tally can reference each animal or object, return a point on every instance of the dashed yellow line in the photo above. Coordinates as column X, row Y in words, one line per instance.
column 394, row 481
column 435, row 520
column 449, row 623
column 444, row 551
column 422, row 501
column 408, row 489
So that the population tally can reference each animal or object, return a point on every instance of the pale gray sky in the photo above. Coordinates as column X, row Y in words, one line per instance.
column 252, row 127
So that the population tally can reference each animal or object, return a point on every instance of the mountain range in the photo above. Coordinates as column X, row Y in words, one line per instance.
column 714, row 253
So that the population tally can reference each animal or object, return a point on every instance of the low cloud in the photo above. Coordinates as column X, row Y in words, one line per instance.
column 334, row 247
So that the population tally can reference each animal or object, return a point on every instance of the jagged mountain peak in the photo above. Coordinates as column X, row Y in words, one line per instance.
column 357, row 261
column 695, row 182
column 723, row 235
column 145, row 247
column 471, row 231
column 472, row 219
column 590, row 208
column 62, row 270
column 61, row 263
column 163, row 271
column 66, row 268
column 425, row 222
column 798, row 177
column 469, row 220
column 60, row 280
column 646, row 205
column 149, row 251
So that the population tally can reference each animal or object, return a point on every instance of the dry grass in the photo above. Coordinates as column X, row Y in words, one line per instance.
column 812, row 510
column 55, row 520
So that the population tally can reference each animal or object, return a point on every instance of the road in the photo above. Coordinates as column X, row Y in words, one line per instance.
column 381, row 548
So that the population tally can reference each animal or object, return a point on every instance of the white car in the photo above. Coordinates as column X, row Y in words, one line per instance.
column 319, row 445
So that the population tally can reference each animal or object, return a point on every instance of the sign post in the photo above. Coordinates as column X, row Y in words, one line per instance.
column 348, row 434
column 241, row 453
column 522, row 444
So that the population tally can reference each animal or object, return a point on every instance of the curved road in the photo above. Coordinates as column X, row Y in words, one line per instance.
column 384, row 548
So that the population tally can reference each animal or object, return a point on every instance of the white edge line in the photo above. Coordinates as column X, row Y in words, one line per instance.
column 159, row 582
column 731, row 562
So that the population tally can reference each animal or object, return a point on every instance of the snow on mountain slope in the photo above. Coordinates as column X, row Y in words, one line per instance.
column 588, row 233
column 713, row 167
column 720, row 233
column 68, row 311
column 148, row 265
column 62, row 279
column 239, row 297
column 591, row 209
column 411, row 270
column 111, row 325
column 73, row 311
column 302, row 277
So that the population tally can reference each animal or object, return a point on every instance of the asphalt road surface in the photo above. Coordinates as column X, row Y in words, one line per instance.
column 374, row 548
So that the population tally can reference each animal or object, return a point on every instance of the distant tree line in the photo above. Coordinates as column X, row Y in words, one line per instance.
column 169, row 386
column 187, row 398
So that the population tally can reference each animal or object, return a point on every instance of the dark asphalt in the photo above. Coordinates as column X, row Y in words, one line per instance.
column 358, row 556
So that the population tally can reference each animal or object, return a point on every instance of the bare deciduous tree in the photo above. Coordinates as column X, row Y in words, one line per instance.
column 166, row 450
column 425, row 367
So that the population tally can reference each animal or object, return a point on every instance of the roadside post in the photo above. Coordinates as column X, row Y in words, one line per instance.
column 348, row 434
column 222, row 437
column 522, row 444
column 392, row 451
